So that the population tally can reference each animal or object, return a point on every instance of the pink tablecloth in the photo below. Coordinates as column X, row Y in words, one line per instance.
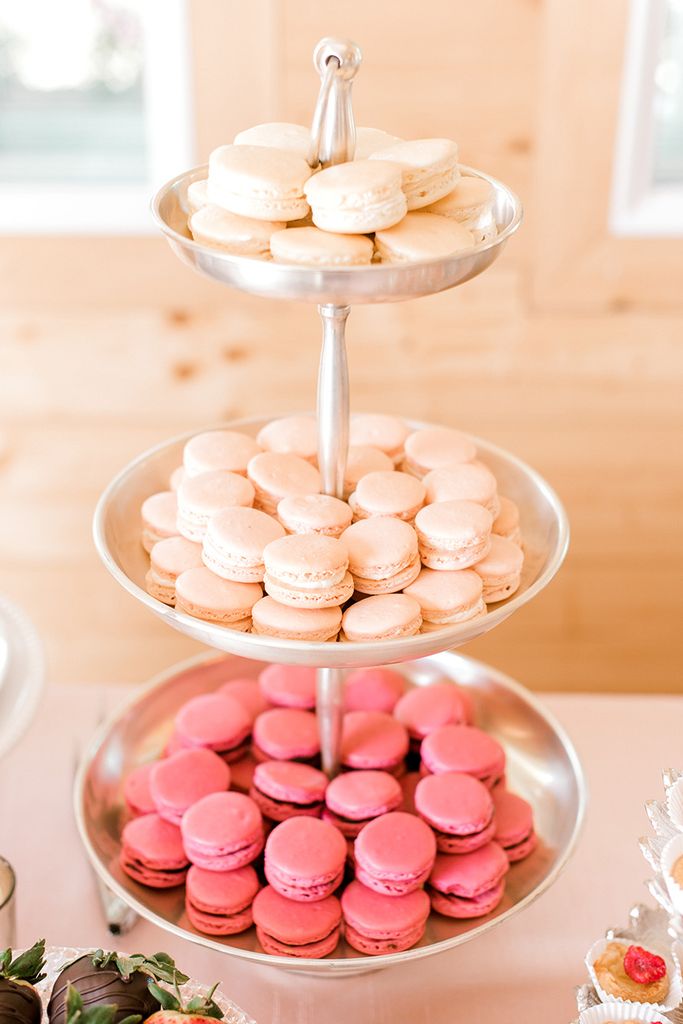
column 524, row 971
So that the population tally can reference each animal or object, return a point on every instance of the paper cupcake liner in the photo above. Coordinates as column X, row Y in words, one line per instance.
column 674, row 804
column 673, row 970
column 621, row 1012
column 671, row 853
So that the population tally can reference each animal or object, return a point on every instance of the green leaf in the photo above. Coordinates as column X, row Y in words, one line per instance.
column 99, row 1014
column 132, row 1018
column 126, row 965
column 28, row 966
column 5, row 961
column 74, row 1004
column 165, row 998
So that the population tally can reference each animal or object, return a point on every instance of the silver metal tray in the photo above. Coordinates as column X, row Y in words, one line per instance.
column 542, row 766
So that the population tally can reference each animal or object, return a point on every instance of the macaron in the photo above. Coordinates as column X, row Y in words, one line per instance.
column 376, row 924
column 514, row 825
column 429, row 168
column 458, row 808
column 313, row 625
column 453, row 534
column 295, row 435
column 152, row 852
column 278, row 475
column 307, row 571
column 304, row 859
column 373, row 739
column 379, row 431
column 311, row 247
column 168, row 559
column 288, row 686
column 202, row 594
column 178, row 781
column 176, row 478
column 448, row 597
column 464, row 748
column 232, row 233
column 363, row 459
column 465, row 481
column 356, row 198
column 159, row 515
column 286, row 734
column 436, row 447
column 222, row 831
column 388, row 494
column 384, row 617
column 468, row 885
column 219, row 449
column 136, row 791
column 314, row 513
column 371, row 140
column 352, row 799
column 506, row 523
column 467, row 201
column 234, row 543
column 214, row 721
column 219, row 902
column 373, row 689
column 423, row 709
column 259, row 181
column 500, row 569
column 277, row 135
column 395, row 853
column 248, row 693
column 422, row 236
column 382, row 553
column 201, row 496
column 288, row 928
column 287, row 789
column 197, row 194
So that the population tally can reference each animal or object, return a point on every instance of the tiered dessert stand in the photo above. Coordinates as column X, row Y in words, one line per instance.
column 542, row 762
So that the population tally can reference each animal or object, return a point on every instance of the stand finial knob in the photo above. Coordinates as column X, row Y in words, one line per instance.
column 333, row 133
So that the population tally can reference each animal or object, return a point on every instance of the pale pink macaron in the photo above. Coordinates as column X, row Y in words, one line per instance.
column 423, row 709
column 383, row 554
column 388, row 494
column 219, row 449
column 286, row 734
column 176, row 478
column 168, row 559
column 379, row 431
column 296, row 435
column 373, row 740
column 248, row 692
column 213, row 721
column 435, row 447
column 506, row 523
column 448, row 597
column 278, row 475
column 383, row 617
column 314, row 513
column 422, row 236
column 313, row 625
column 202, row 594
column 200, row 497
column 373, row 689
column 453, row 534
column 362, row 459
column 307, row 570
column 178, row 781
column 235, row 541
column 466, row 481
column 159, row 515
column 500, row 569
column 223, row 831
column 288, row 686
column 353, row 799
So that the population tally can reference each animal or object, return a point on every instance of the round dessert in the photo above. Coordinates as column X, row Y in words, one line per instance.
column 197, row 194
column 201, row 496
column 380, row 432
column 429, row 168
column 464, row 748
column 384, row 617
column 388, row 494
column 436, row 447
column 373, row 689
column 277, row 135
column 259, row 181
column 395, row 853
column 315, row 513
column 204, row 595
column 313, row 625
column 294, row 435
column 458, row 808
column 363, row 459
column 287, row 789
column 136, row 791
column 222, row 831
column 447, row 597
column 506, row 523
column 286, row 734
column 99, row 980
column 285, row 927
column 243, row 236
column 422, row 236
column 248, row 693
column 453, row 534
column 426, row 708
column 471, row 197
column 168, row 559
column 514, row 825
column 466, row 481
column 383, row 554
column 632, row 973
column 377, row 924
column 288, row 686
column 235, row 541
column 370, row 140
column 307, row 571
column 278, row 475
column 152, row 852
column 230, row 450
column 356, row 198
column 500, row 569
column 373, row 739
column 468, row 885
column 312, row 247
column 352, row 799
column 159, row 515
column 215, row 721
column 178, row 781
column 219, row 902
column 304, row 859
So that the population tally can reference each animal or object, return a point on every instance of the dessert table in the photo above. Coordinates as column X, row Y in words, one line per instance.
column 525, row 970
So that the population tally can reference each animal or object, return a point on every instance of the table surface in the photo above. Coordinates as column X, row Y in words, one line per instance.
column 524, row 971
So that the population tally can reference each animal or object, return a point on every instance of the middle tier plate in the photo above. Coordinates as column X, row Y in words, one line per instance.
column 117, row 537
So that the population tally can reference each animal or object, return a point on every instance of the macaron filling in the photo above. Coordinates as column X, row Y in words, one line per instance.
column 453, row 905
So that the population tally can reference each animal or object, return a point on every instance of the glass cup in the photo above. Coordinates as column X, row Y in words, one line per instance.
column 7, row 904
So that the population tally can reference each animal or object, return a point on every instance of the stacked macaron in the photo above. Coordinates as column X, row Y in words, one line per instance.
column 239, row 811
column 263, row 199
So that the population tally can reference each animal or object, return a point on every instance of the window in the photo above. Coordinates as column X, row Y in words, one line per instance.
column 94, row 112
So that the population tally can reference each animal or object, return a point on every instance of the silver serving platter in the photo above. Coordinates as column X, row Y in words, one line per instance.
column 117, row 530
column 542, row 766
column 337, row 286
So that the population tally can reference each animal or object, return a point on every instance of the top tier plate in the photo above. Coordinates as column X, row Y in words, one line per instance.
column 343, row 286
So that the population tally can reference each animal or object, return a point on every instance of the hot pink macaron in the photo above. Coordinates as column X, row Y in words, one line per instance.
column 469, row 884
column 376, row 924
column 288, row 928
column 136, row 791
column 373, row 689
column 286, row 734
column 219, row 902
column 215, row 721
column 152, row 852
column 514, row 825
column 464, row 748
column 179, row 781
column 458, row 808
column 353, row 799
column 304, row 859
column 394, row 854
column 288, row 686
column 286, row 789
column 426, row 708
column 223, row 831
column 373, row 739
column 248, row 693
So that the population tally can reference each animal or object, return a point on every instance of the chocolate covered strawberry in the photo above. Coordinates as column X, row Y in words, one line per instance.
column 77, row 1013
column 173, row 1011
column 19, row 1001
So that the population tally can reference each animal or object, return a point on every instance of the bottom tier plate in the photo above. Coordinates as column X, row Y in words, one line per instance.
column 542, row 766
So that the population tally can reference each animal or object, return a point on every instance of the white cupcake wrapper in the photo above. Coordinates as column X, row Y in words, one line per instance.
column 672, row 851
column 660, row 820
column 622, row 1012
column 675, row 994
column 674, row 804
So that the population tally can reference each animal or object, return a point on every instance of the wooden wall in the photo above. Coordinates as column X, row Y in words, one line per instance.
column 567, row 351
